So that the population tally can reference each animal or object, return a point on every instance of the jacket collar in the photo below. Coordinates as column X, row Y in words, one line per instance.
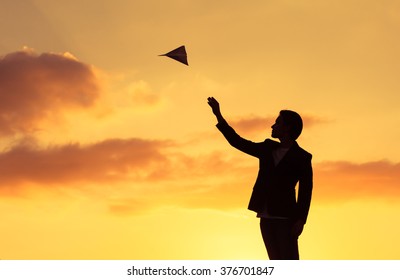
column 292, row 150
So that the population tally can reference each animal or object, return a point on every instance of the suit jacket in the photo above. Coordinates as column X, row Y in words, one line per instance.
column 275, row 185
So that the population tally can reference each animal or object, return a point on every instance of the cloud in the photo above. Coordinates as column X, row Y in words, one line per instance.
column 252, row 124
column 218, row 182
column 256, row 124
column 110, row 161
column 345, row 180
column 107, row 161
column 162, row 173
column 35, row 88
column 142, row 95
column 146, row 173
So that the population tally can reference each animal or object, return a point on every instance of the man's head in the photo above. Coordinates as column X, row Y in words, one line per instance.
column 288, row 125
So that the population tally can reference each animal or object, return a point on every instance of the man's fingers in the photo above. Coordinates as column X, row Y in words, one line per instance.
column 212, row 101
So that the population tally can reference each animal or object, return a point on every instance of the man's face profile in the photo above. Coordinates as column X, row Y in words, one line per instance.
column 279, row 128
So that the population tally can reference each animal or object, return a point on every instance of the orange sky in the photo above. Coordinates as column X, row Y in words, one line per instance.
column 109, row 151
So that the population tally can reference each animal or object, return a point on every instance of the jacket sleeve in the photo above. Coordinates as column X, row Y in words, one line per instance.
column 244, row 145
column 305, row 189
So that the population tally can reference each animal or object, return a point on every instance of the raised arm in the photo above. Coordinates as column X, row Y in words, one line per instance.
column 230, row 134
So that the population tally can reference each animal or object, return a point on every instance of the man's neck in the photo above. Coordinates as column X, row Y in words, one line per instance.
column 286, row 143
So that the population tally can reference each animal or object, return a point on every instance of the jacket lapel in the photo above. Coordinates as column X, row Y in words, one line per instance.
column 289, row 154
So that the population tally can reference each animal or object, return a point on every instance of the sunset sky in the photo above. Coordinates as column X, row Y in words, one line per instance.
column 109, row 151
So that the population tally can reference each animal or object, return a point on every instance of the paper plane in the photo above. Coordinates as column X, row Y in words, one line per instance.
column 179, row 54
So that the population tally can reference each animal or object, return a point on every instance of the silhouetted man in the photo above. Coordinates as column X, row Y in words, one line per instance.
column 282, row 165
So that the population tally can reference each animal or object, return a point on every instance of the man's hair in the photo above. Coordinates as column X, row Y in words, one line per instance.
column 294, row 121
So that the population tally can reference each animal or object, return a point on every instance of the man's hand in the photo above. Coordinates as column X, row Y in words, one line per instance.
column 297, row 228
column 215, row 108
column 214, row 105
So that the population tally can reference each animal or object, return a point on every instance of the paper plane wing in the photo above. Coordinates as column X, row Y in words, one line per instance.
column 178, row 54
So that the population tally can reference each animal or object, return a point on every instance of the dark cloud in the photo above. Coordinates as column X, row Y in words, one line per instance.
column 103, row 162
column 35, row 87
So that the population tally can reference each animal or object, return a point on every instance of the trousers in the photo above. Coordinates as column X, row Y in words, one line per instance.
column 278, row 239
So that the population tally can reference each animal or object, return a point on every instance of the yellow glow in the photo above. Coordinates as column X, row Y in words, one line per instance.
column 142, row 172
